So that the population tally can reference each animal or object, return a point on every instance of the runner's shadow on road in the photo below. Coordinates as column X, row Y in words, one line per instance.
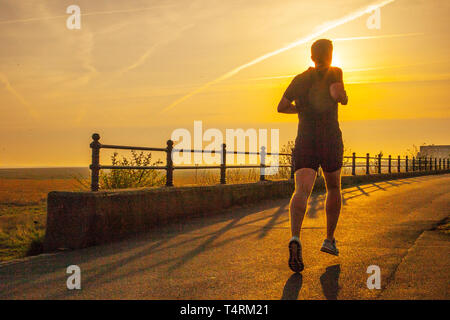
column 330, row 282
column 292, row 287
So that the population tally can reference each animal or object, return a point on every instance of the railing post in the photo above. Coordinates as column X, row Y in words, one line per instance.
column 95, row 164
column 414, row 164
column 389, row 164
column 169, row 164
column 262, row 157
column 223, row 164
column 379, row 163
column 430, row 167
column 398, row 164
column 406, row 164
column 435, row 164
column 440, row 163
column 292, row 163
column 353, row 164
column 420, row 164
column 367, row 163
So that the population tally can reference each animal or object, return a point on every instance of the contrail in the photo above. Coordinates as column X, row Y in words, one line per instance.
column 96, row 13
column 328, row 26
column 143, row 58
column 380, row 37
column 355, row 70
column 167, row 40
column 17, row 95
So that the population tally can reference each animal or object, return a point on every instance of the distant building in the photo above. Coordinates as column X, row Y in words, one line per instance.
column 434, row 151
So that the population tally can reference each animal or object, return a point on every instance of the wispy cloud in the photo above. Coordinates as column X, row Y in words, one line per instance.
column 4, row 80
column 96, row 13
column 321, row 30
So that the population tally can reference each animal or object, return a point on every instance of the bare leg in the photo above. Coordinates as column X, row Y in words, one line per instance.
column 304, row 181
column 333, row 202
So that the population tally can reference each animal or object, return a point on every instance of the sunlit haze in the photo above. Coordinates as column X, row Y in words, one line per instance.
column 137, row 70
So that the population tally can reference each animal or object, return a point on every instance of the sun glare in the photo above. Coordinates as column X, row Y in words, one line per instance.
column 336, row 61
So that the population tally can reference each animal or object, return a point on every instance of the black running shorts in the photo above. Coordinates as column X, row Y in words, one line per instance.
column 312, row 151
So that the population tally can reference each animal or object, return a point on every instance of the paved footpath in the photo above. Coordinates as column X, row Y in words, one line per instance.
column 242, row 254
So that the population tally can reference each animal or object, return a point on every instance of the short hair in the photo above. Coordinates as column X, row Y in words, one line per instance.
column 320, row 49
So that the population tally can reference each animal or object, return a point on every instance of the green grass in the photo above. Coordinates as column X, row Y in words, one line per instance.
column 22, row 230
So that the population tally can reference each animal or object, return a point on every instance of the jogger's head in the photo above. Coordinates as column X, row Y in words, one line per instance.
column 322, row 52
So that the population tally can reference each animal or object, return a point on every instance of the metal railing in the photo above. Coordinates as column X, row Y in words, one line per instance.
column 95, row 167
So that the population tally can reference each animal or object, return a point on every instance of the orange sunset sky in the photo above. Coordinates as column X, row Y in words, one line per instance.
column 136, row 70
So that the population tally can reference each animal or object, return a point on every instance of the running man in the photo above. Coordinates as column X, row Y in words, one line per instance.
column 314, row 95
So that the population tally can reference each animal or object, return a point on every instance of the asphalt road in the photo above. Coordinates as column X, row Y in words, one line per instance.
column 242, row 254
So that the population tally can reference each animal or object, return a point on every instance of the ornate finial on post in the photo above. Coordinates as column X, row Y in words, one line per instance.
column 169, row 164
column 95, row 164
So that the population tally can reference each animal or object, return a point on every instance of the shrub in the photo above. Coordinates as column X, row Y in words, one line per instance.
column 132, row 178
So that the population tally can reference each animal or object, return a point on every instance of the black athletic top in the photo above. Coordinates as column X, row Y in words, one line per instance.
column 317, row 111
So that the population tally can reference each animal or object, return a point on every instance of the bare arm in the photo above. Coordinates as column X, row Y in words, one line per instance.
column 286, row 106
column 341, row 94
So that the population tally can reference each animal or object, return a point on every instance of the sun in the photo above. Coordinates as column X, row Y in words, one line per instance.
column 336, row 62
